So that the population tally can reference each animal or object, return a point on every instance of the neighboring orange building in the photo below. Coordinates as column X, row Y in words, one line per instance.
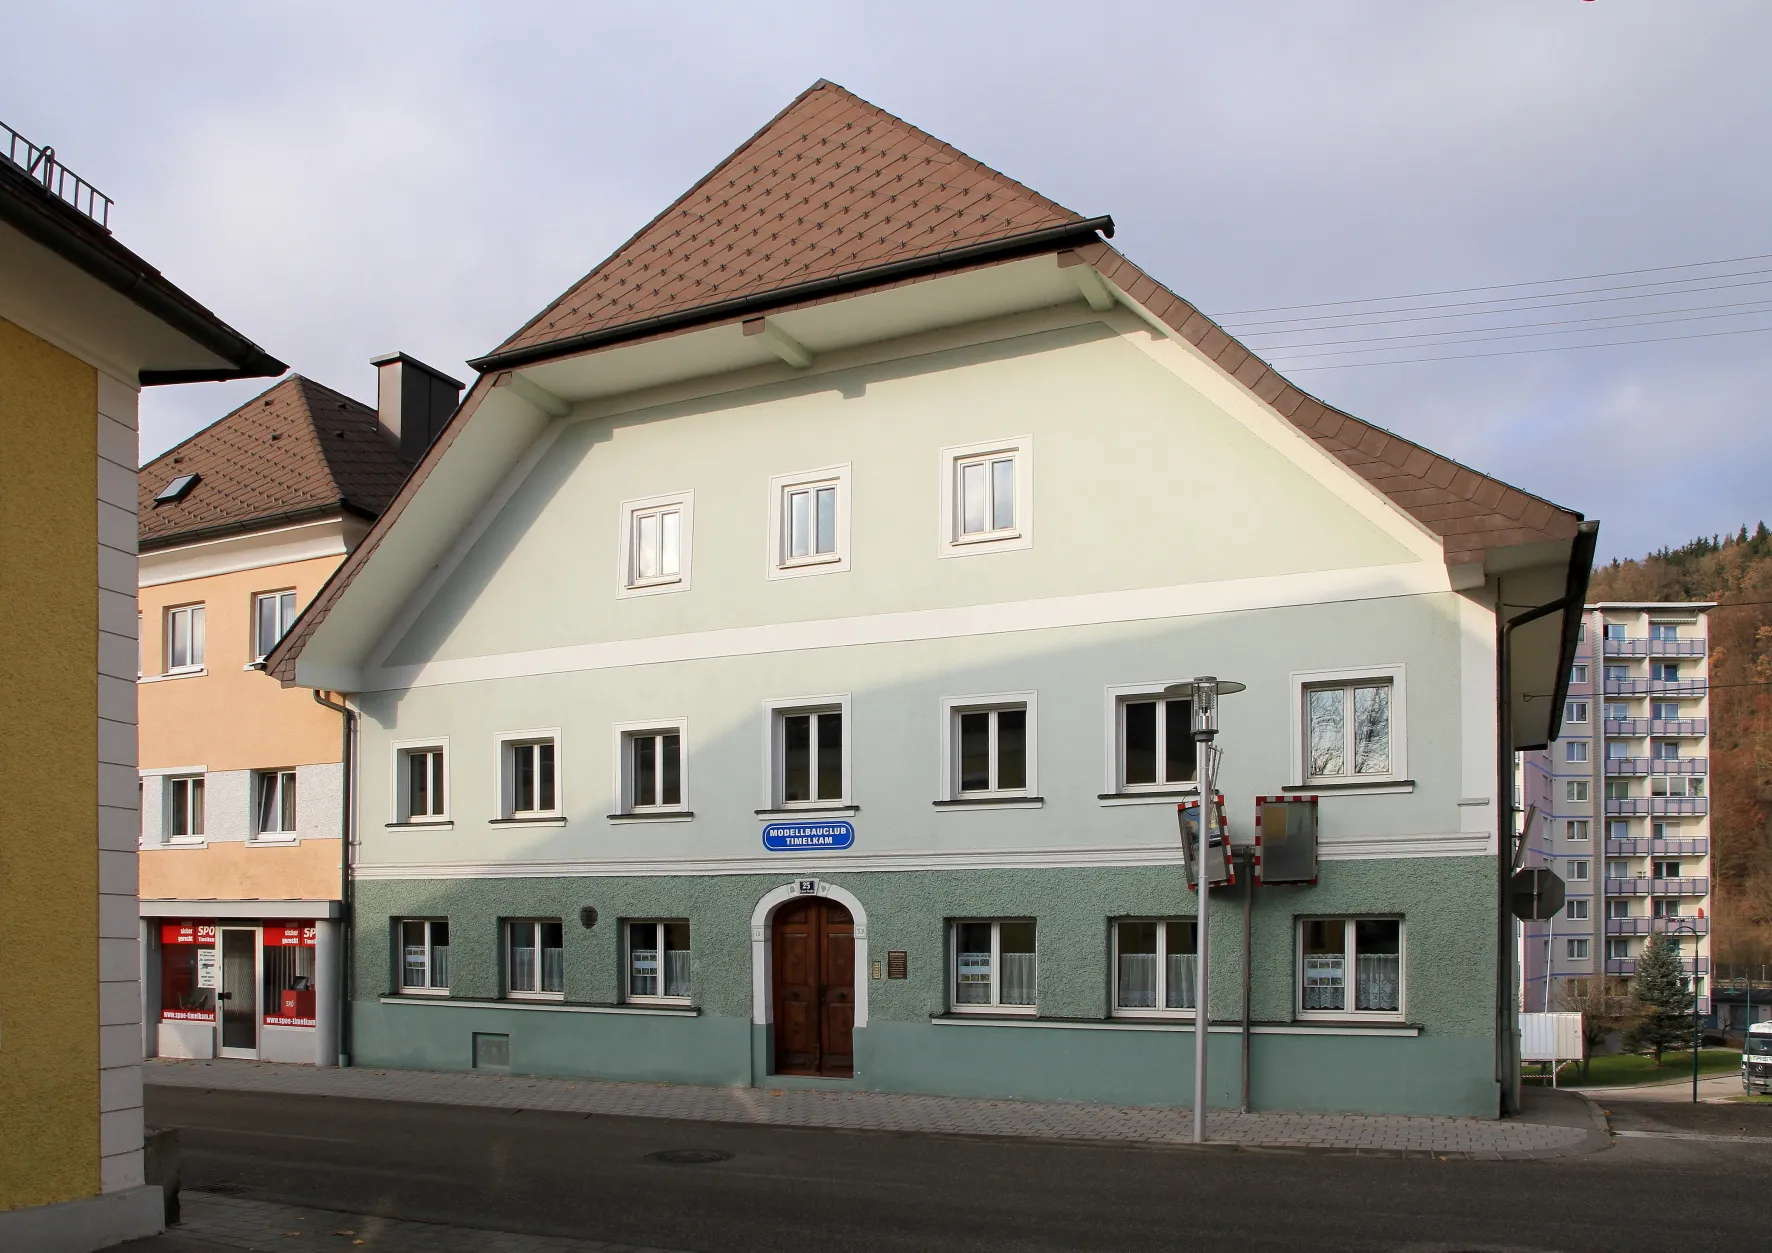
column 244, row 788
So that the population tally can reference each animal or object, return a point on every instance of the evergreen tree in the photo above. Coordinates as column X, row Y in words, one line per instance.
column 1664, row 999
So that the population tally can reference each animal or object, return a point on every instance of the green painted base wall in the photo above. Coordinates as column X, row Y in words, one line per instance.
column 1446, row 1069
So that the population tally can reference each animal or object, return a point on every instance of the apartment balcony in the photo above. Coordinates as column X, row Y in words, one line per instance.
column 1658, row 926
column 1654, row 648
column 1659, row 806
column 1628, row 965
column 1656, row 687
column 1677, row 727
column 1692, row 847
column 1656, row 765
column 1657, row 887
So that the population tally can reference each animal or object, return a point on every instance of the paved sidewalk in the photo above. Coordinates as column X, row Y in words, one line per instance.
column 215, row 1223
column 1711, row 1088
column 1555, row 1128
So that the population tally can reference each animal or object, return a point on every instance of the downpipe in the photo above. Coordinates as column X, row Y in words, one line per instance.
column 347, row 842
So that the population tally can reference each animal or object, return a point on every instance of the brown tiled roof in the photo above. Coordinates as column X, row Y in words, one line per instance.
column 1467, row 509
column 831, row 185
column 299, row 448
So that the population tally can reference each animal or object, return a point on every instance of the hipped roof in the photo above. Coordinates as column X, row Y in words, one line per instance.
column 297, row 450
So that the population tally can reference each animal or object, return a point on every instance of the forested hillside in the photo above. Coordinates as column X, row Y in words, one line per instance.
column 1736, row 572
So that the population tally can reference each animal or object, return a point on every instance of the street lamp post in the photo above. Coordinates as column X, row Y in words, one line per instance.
column 1687, row 925
column 1203, row 693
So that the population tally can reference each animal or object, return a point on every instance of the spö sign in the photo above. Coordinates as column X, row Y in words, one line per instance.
column 807, row 837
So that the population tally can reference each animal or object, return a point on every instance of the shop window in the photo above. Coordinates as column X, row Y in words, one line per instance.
column 995, row 967
column 658, row 961
column 288, row 962
column 1154, row 966
column 188, row 971
column 184, row 808
column 274, row 802
column 424, row 955
column 535, row 959
column 1337, row 952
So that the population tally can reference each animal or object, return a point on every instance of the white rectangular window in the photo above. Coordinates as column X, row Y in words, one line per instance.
column 1617, row 711
column 1576, row 950
column 1676, row 785
column 184, row 638
column 184, row 808
column 1578, row 870
column 1575, row 711
column 424, row 954
column 530, row 768
column 658, row 963
column 1665, row 671
column 1618, row 950
column 1663, row 711
column 1620, row 869
column 535, row 959
column 1664, row 908
column 272, row 615
column 655, row 544
column 1615, row 631
column 651, row 766
column 1616, row 673
column 1154, row 966
column 422, row 782
column 809, row 522
column 274, row 802
column 808, row 754
column 1576, row 910
column 1618, row 789
column 1576, row 829
column 1349, row 731
column 995, row 967
column 1575, row 790
column 985, row 502
column 1616, row 751
column 1664, row 631
column 1665, row 870
column 1578, row 672
column 989, row 747
column 1364, row 952
column 1575, row 751
column 1618, row 829
column 1154, row 743
column 1618, row 909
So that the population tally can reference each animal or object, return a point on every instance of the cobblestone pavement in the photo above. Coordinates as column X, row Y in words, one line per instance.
column 210, row 1222
column 1547, row 1136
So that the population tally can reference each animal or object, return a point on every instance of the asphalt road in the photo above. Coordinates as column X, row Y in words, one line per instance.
column 806, row 1191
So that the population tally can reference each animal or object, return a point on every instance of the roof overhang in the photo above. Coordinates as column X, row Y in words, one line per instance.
column 1541, row 651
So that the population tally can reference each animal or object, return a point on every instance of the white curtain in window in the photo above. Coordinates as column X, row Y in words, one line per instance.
column 1018, row 979
column 676, row 972
column 1180, row 993
column 1138, row 980
column 1379, row 981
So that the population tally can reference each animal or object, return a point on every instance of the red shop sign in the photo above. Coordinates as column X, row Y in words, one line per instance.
column 187, row 933
column 289, row 935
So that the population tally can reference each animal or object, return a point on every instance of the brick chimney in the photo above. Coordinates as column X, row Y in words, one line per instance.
column 413, row 401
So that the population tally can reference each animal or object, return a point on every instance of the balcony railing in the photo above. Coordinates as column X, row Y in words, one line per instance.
column 1628, row 965
column 1641, row 847
column 1679, row 726
column 1655, row 687
column 1654, row 648
column 1656, row 765
column 1660, row 806
column 1663, row 926
column 1658, row 887
column 41, row 165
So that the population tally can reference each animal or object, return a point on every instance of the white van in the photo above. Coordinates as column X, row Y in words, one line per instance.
column 1756, row 1058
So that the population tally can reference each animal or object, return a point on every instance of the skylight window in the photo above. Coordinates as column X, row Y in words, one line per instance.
column 177, row 490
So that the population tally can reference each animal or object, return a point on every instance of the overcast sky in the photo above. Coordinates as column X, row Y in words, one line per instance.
column 341, row 180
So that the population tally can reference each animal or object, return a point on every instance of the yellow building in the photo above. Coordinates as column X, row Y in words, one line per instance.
column 84, row 325
column 243, row 782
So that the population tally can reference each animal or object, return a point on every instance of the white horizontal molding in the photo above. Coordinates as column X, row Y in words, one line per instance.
column 1369, row 847
column 273, row 909
column 1181, row 1025
column 546, row 1007
column 328, row 537
column 1188, row 600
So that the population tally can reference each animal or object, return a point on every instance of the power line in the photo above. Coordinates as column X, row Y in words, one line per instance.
column 1517, row 352
column 1539, row 282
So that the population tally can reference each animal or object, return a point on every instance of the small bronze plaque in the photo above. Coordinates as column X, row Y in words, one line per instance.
column 898, row 964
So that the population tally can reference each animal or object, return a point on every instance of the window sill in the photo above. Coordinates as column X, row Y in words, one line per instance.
column 273, row 840
column 1109, row 799
column 989, row 1013
column 544, row 998
column 992, row 802
column 178, row 843
column 437, row 824
column 812, row 811
column 443, row 1000
column 653, row 815
column 194, row 673
column 1390, row 1022
column 540, row 820
column 422, row 994
column 1374, row 787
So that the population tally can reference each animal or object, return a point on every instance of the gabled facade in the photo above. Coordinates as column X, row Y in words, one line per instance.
column 243, row 781
column 761, row 679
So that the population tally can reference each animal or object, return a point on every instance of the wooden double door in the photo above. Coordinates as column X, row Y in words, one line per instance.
column 813, row 970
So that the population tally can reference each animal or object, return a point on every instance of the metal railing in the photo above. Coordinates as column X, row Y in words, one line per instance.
column 1655, row 687
column 1661, row 806
column 1656, row 765
column 1641, row 846
column 1664, row 926
column 1628, row 965
column 1658, row 887
column 41, row 165
column 1654, row 648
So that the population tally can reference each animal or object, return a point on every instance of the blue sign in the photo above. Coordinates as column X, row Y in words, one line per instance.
column 807, row 837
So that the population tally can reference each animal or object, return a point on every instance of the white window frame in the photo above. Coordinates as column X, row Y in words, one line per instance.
column 1578, row 672
column 1577, row 830
column 1577, row 950
column 1576, row 909
column 627, row 960
column 1617, row 949
column 948, row 780
column 196, row 630
column 1577, row 792
column 1303, row 681
column 778, row 563
column 627, row 803
column 1021, row 535
column 1575, row 752
column 168, row 783
column 401, row 790
column 286, row 784
column 512, row 992
column 1117, row 1010
column 1580, row 870
column 1350, row 995
column 1571, row 708
column 428, row 988
column 995, row 1005
column 627, row 581
column 259, row 651
column 505, row 764
column 775, row 756
column 1114, row 789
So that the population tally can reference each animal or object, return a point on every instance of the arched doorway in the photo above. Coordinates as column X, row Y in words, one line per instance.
column 812, row 971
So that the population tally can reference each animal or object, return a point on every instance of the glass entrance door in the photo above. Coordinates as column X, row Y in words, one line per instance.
column 238, row 994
